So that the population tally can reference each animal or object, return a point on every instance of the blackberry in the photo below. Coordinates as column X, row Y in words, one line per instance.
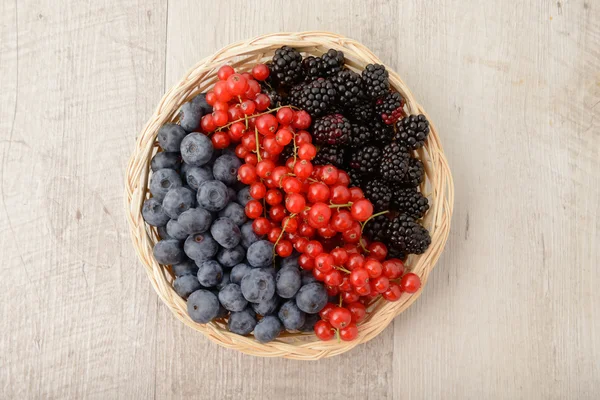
column 379, row 193
column 332, row 130
column 390, row 107
column 330, row 155
column 366, row 160
column 355, row 177
column 410, row 201
column 314, row 97
column 412, row 131
column 325, row 66
column 415, row 174
column 348, row 85
column 407, row 236
column 375, row 81
column 286, row 66
column 394, row 163
column 381, row 132
column 393, row 252
column 359, row 136
column 362, row 112
column 375, row 228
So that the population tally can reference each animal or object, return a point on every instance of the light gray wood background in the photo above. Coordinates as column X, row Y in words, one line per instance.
column 512, row 311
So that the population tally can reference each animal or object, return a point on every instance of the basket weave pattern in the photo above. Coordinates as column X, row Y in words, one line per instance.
column 438, row 187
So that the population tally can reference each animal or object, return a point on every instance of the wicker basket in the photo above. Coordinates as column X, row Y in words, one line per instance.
column 438, row 187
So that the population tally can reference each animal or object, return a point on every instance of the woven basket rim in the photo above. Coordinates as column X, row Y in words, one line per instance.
column 199, row 78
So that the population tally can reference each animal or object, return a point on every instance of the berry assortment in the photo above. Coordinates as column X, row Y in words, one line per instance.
column 287, row 197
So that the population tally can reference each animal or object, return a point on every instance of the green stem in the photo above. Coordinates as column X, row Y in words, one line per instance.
column 349, row 204
column 343, row 269
column 258, row 157
column 269, row 111
column 282, row 232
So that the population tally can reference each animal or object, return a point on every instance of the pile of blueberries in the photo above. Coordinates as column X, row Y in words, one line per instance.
column 221, row 266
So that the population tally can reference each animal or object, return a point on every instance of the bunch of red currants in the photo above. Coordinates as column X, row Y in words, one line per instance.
column 298, row 205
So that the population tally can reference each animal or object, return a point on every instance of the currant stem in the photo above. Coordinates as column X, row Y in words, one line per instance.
column 269, row 111
column 258, row 157
column 349, row 204
column 343, row 269
column 282, row 232
column 370, row 218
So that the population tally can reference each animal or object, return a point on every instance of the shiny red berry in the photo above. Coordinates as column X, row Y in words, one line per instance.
column 410, row 283
column 225, row 72
column 313, row 248
column 260, row 72
column 340, row 256
column 393, row 268
column 340, row 317
column 361, row 210
column 358, row 311
column 295, row 202
column 349, row 333
column 253, row 209
column 284, row 248
column 261, row 226
column 324, row 331
column 373, row 267
column 301, row 120
column 393, row 293
column 285, row 115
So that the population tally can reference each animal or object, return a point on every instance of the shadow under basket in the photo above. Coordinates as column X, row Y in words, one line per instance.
column 438, row 187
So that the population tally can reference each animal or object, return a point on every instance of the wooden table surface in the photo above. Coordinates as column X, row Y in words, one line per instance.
column 512, row 311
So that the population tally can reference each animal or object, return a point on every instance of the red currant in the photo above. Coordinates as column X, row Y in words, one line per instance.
column 333, row 278
column 377, row 250
column 278, row 174
column 301, row 120
column 318, row 192
column 331, row 290
column 325, row 312
column 283, row 137
column 359, row 277
column 292, row 185
column 307, row 151
column 393, row 293
column 277, row 212
column 361, row 210
column 240, row 150
column 313, row 248
column 306, row 262
column 373, row 267
column 343, row 178
column 284, row 248
column 253, row 209
column 355, row 261
column 410, row 283
column 363, row 290
column 285, row 115
column 290, row 224
column 300, row 244
column 306, row 230
column 303, row 137
column 340, row 256
column 319, row 215
column 258, row 190
column 225, row 72
column 356, row 193
column 247, row 174
column 349, row 333
column 393, row 268
column 303, row 169
column 381, row 284
column 340, row 317
column 329, row 174
column 220, row 140
column 253, row 89
column 221, row 91
column 264, row 168
column 358, row 311
column 211, row 98
column 220, row 118
column 349, row 296
column 352, row 235
column 324, row 262
column 274, row 234
column 340, row 194
column 207, row 123
column 260, row 72
column 318, row 274
column 221, row 106
column 237, row 130
column 273, row 196
column 249, row 141
column 324, row 331
column 261, row 226
column 251, row 159
column 262, row 102
column 341, row 221
column 248, row 107
column 295, row 202
column 237, row 84
column 266, row 124
column 270, row 144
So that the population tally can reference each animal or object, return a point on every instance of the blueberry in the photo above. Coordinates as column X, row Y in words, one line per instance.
column 200, row 101
column 170, row 137
column 307, row 277
column 268, row 329
column 203, row 306
column 190, row 115
column 162, row 233
column 243, row 196
column 291, row 316
column 258, row 285
column 248, row 235
column 266, row 307
column 175, row 230
column 231, row 298
column 195, row 220
column 153, row 212
column 238, row 272
column 186, row 267
column 177, row 201
column 260, row 254
column 290, row 261
column 167, row 160
column 184, row 169
column 234, row 212
column 231, row 257
column 226, row 233
column 200, row 247
column 168, row 252
column 288, row 282
column 210, row 273
column 213, row 195
column 196, row 149
column 242, row 322
column 309, row 322
column 223, row 313
column 162, row 181
column 186, row 285
column 224, row 281
column 225, row 168
column 311, row 298
column 194, row 176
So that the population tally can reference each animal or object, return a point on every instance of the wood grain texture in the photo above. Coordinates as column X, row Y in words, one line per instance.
column 511, row 312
